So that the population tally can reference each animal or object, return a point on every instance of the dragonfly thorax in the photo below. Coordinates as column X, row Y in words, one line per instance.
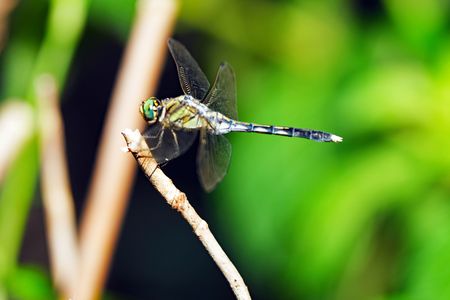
column 195, row 103
column 187, row 113
column 183, row 112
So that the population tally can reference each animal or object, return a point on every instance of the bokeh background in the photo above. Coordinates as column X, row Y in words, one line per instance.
column 365, row 219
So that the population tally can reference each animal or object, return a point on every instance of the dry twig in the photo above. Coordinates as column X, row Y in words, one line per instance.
column 178, row 201
column 56, row 191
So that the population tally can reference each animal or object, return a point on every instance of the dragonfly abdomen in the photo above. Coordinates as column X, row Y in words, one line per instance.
column 315, row 135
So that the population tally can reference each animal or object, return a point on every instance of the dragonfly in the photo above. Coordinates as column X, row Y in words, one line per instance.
column 174, row 123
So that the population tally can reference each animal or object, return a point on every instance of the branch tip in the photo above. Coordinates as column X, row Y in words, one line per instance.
column 133, row 138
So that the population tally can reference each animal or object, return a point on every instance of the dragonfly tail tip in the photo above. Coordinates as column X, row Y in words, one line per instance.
column 336, row 138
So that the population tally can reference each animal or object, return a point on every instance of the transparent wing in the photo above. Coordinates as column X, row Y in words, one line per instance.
column 213, row 159
column 192, row 79
column 167, row 144
column 222, row 96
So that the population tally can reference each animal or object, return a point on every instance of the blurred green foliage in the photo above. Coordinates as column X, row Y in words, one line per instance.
column 338, row 221
column 28, row 56
column 31, row 283
column 365, row 219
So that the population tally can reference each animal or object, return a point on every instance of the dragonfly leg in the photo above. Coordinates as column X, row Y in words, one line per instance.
column 154, row 170
column 157, row 134
column 142, row 156
column 161, row 135
column 175, row 138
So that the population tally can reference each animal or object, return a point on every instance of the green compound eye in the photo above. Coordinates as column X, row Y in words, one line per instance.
column 149, row 110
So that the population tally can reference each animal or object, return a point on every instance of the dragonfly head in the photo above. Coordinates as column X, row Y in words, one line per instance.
column 150, row 110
